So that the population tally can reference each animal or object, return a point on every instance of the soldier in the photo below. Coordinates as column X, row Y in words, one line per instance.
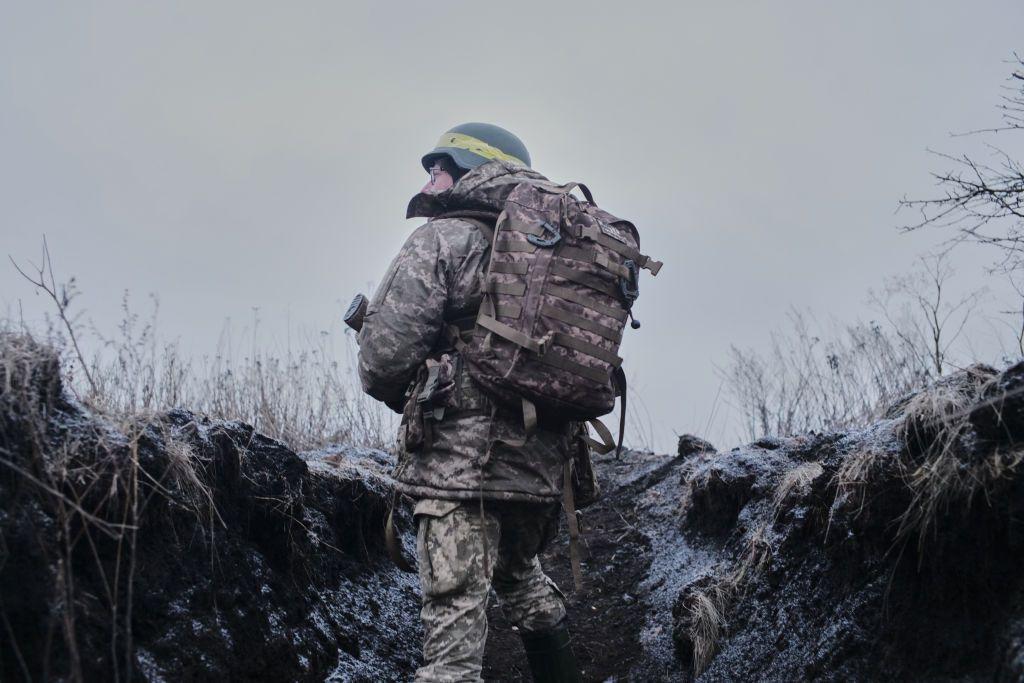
column 487, row 493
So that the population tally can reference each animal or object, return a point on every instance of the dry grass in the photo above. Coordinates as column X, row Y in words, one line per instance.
column 937, row 468
column 797, row 480
column 815, row 380
column 710, row 606
column 306, row 396
column 851, row 480
column 708, row 611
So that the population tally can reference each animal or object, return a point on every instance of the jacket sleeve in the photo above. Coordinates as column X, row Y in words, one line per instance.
column 405, row 316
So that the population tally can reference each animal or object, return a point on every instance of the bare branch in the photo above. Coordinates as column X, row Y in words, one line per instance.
column 62, row 297
column 981, row 202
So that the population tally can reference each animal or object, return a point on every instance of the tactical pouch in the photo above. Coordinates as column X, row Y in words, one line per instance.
column 431, row 395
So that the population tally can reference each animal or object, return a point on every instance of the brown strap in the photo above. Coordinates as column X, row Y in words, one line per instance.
column 619, row 377
column 594, row 233
column 582, row 323
column 569, row 505
column 617, row 312
column 511, row 334
column 606, row 444
column 651, row 265
column 569, row 187
column 594, row 350
column 391, row 543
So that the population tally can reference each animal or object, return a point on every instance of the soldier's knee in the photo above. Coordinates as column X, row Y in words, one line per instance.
column 534, row 604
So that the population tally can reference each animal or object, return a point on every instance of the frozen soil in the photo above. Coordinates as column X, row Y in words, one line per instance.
column 885, row 553
column 174, row 547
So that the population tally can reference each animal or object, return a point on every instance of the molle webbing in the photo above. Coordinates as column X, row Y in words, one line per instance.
column 511, row 334
column 586, row 279
column 501, row 309
column 511, row 267
column 559, row 361
column 591, row 256
column 506, row 244
column 581, row 322
column 568, row 294
column 512, row 288
column 593, row 233
column 562, row 339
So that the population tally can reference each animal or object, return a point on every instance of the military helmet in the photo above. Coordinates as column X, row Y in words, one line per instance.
column 471, row 144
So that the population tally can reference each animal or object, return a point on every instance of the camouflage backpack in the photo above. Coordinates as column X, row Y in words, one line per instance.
column 559, row 288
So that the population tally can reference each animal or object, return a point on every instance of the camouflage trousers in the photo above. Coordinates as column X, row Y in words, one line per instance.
column 452, row 541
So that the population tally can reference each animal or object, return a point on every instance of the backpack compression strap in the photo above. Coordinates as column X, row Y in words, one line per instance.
column 607, row 444
column 569, row 505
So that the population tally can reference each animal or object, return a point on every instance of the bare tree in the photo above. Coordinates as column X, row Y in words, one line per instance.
column 984, row 202
column 921, row 312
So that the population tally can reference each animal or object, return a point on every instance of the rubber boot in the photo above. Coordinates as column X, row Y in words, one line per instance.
column 550, row 655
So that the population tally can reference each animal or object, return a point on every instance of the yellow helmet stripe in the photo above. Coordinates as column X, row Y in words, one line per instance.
column 476, row 146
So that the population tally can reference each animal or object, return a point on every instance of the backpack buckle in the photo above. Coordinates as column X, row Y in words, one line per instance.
column 430, row 386
column 556, row 236
column 630, row 287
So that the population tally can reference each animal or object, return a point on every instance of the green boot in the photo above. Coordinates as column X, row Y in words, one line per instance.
column 550, row 655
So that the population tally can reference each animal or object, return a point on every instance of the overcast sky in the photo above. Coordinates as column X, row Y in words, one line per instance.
column 233, row 155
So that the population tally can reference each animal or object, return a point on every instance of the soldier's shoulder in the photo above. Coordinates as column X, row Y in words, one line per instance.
column 459, row 234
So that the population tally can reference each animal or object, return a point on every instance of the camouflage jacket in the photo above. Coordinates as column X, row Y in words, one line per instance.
column 459, row 445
